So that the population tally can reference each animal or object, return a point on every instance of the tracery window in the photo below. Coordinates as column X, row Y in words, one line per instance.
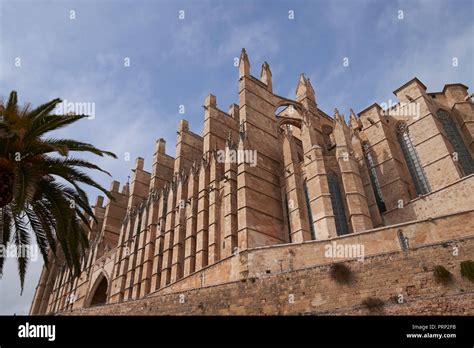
column 310, row 214
column 374, row 179
column 413, row 162
column 463, row 156
column 337, row 204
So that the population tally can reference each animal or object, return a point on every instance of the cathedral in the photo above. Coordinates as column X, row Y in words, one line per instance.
column 265, row 187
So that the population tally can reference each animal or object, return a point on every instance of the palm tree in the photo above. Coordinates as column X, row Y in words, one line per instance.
column 32, row 198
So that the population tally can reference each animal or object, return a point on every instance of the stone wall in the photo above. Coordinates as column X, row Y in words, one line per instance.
column 288, row 257
column 390, row 276
column 450, row 199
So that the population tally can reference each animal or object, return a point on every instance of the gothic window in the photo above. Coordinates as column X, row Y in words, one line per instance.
column 374, row 179
column 452, row 132
column 403, row 240
column 413, row 162
column 337, row 204
column 100, row 293
column 136, row 238
column 310, row 214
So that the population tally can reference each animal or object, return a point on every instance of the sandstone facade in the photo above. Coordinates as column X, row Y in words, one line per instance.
column 262, row 193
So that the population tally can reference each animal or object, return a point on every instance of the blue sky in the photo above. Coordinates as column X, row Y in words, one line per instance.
column 177, row 62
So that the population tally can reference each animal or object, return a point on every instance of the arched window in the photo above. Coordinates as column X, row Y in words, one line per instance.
column 403, row 240
column 373, row 178
column 413, row 162
column 452, row 132
column 100, row 293
column 337, row 204
column 310, row 213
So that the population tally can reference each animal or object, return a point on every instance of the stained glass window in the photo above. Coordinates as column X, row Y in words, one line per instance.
column 452, row 133
column 413, row 162
column 374, row 179
column 310, row 214
column 337, row 204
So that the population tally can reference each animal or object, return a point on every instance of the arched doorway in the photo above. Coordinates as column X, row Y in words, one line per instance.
column 99, row 296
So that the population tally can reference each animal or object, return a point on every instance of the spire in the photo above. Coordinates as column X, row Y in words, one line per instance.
column 160, row 146
column 341, row 130
column 338, row 117
column 99, row 202
column 210, row 100
column 126, row 188
column 183, row 126
column 310, row 86
column 305, row 90
column 139, row 163
column 114, row 186
column 355, row 121
column 266, row 76
column 244, row 64
column 234, row 111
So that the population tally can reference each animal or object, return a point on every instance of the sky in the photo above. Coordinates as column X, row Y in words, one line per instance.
column 78, row 50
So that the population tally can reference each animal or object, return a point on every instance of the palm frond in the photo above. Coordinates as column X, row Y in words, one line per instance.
column 44, row 109
column 51, row 122
column 74, row 162
column 5, row 232
column 74, row 145
column 65, row 217
column 21, row 240
column 12, row 104
column 24, row 188
column 44, row 215
column 39, row 232
column 72, row 175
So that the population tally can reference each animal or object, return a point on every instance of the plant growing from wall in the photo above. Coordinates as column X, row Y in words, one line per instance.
column 341, row 273
column 373, row 304
column 442, row 275
column 467, row 270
